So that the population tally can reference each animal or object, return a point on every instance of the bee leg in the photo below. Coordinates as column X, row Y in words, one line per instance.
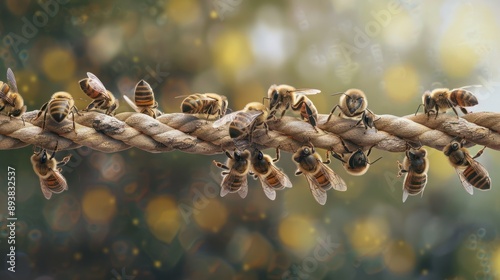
column 277, row 154
column 401, row 170
column 418, row 108
column 90, row 106
column 228, row 154
column 64, row 161
column 220, row 165
column 463, row 110
column 331, row 112
column 339, row 157
column 2, row 107
column 327, row 161
column 266, row 127
column 44, row 107
column 454, row 110
column 44, row 119
column 479, row 153
column 298, row 172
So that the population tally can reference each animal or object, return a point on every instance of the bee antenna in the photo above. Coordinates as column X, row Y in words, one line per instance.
column 418, row 108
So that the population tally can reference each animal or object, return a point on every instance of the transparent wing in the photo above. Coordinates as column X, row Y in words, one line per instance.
column 405, row 194
column 468, row 187
column 131, row 103
column 95, row 83
column 318, row 193
column 307, row 91
column 45, row 189
column 268, row 190
column 230, row 179
column 12, row 81
column 7, row 99
column 337, row 182
column 282, row 177
column 225, row 119
column 244, row 189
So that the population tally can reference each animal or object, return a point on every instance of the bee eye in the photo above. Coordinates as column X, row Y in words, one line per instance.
column 44, row 157
column 275, row 95
column 260, row 156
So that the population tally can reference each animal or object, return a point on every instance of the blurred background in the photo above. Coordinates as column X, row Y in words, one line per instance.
column 135, row 215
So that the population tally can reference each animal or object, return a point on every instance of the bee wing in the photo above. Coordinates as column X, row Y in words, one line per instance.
column 45, row 189
column 282, row 177
column 131, row 103
column 468, row 187
column 318, row 193
column 268, row 190
column 336, row 181
column 307, row 91
column 12, row 80
column 405, row 194
column 225, row 119
column 6, row 98
column 244, row 188
column 95, row 83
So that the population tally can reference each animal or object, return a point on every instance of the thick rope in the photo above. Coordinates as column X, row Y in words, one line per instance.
column 189, row 134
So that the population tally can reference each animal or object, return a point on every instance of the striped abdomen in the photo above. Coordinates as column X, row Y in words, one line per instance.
column 144, row 96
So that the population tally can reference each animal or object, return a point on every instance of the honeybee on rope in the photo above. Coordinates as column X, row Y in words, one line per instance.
column 103, row 99
column 244, row 122
column 355, row 162
column 283, row 97
column 144, row 98
column 442, row 99
column 10, row 99
column 353, row 104
column 209, row 105
column 415, row 165
column 319, row 176
column 471, row 173
column 59, row 106
column 271, row 177
column 48, row 170
column 235, row 173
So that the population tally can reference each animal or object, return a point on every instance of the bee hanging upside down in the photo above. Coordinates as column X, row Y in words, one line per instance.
column 415, row 165
column 471, row 173
column 319, row 176
column 271, row 177
column 48, row 171
column 235, row 173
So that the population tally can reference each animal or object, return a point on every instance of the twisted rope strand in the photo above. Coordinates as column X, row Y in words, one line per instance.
column 189, row 134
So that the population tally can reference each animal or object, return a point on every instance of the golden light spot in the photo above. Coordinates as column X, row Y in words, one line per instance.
column 183, row 11
column 17, row 7
column 495, row 261
column 135, row 251
column 58, row 64
column 212, row 217
column 399, row 257
column 77, row 256
column 246, row 267
column 401, row 82
column 232, row 52
column 135, row 221
column 257, row 253
column 369, row 236
column 105, row 250
column 295, row 233
column 99, row 205
column 444, row 173
column 468, row 39
column 425, row 272
column 213, row 14
column 157, row 264
column 162, row 218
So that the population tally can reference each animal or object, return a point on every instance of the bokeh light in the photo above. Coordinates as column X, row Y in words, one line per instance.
column 162, row 218
column 99, row 205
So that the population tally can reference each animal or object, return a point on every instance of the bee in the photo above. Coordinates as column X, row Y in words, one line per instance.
column 48, row 171
column 282, row 97
column 415, row 165
column 144, row 100
column 235, row 173
column 103, row 99
column 471, row 173
column 59, row 106
column 442, row 99
column 319, row 176
column 357, row 162
column 244, row 122
column 271, row 177
column 210, row 105
column 10, row 99
column 353, row 104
